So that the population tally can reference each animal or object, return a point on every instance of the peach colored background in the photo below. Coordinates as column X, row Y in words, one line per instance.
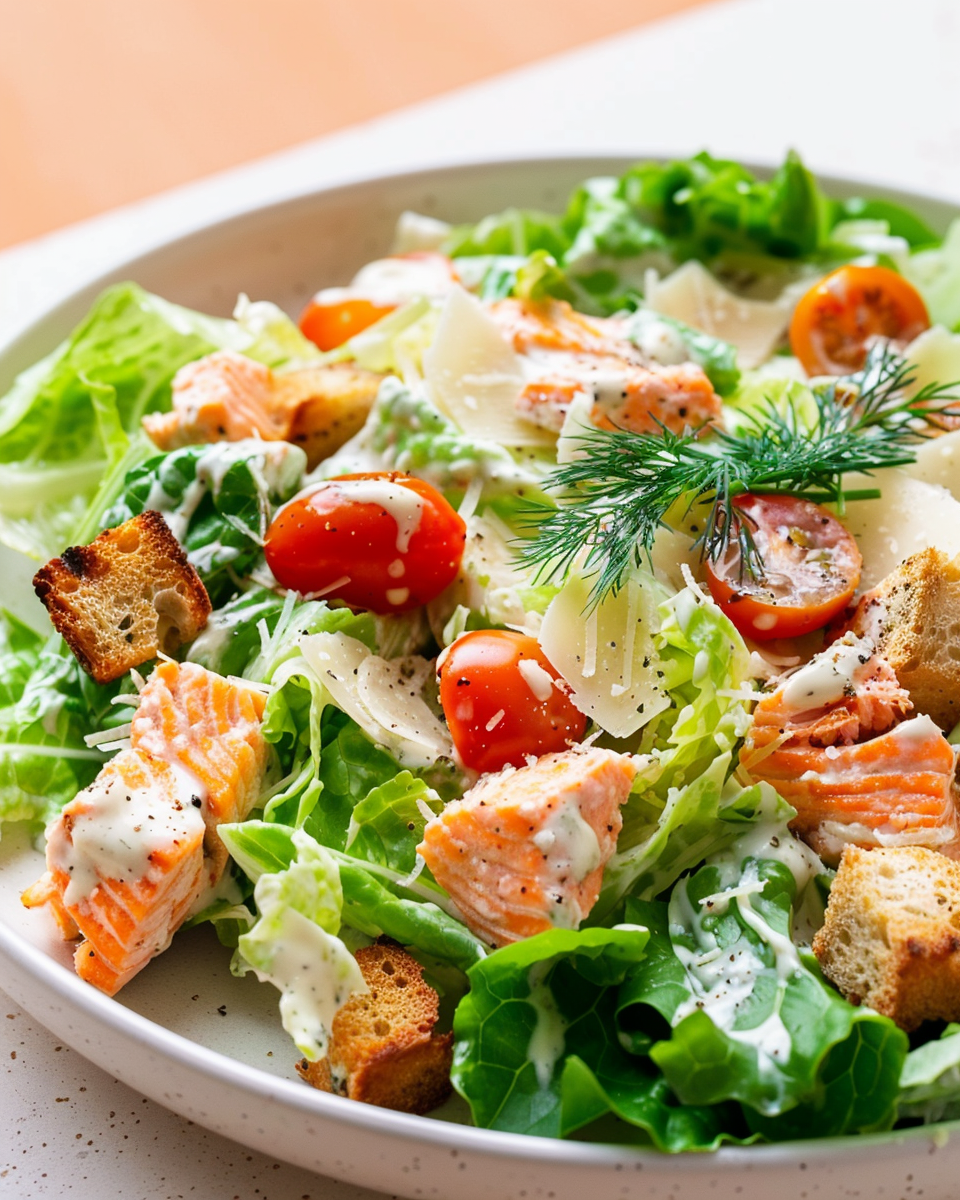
column 107, row 101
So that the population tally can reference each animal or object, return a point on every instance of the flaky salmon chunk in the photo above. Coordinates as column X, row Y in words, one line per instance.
column 129, row 857
column 524, row 850
column 223, row 397
column 836, row 741
column 565, row 354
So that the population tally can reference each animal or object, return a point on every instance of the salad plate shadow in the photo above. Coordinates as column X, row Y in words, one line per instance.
column 210, row 1046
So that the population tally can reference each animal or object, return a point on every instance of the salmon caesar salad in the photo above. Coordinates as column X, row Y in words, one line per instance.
column 538, row 661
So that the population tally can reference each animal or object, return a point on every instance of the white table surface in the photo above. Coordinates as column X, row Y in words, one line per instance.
column 868, row 88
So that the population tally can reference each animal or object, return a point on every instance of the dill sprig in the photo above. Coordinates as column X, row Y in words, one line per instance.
column 614, row 496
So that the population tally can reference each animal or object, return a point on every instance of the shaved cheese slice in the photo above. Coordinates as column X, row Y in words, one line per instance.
column 474, row 375
column 938, row 461
column 608, row 656
column 692, row 295
column 911, row 515
column 383, row 697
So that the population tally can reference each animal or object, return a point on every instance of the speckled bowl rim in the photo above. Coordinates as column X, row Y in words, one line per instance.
column 257, row 1084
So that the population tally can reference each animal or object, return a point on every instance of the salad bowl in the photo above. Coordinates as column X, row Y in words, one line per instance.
column 208, row 1045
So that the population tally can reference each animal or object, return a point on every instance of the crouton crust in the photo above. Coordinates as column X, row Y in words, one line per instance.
column 382, row 1045
column 891, row 937
column 913, row 617
column 128, row 595
column 325, row 406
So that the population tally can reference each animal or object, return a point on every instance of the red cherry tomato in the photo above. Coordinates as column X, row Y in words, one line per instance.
column 835, row 320
column 383, row 541
column 811, row 568
column 501, row 702
column 330, row 323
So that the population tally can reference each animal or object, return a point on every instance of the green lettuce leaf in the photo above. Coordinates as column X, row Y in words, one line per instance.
column 49, row 705
column 537, row 1050
column 705, row 206
column 751, row 1017
column 930, row 1080
column 218, row 500
column 681, row 807
column 387, row 825
column 406, row 432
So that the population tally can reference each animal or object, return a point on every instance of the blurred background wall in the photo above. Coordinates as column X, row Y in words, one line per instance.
column 103, row 102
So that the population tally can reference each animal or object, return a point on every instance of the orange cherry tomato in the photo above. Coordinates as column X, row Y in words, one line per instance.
column 811, row 568
column 835, row 321
column 383, row 541
column 336, row 315
column 502, row 701
column 331, row 323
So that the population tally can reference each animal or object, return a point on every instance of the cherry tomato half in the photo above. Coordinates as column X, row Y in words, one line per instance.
column 383, row 541
column 502, row 702
column 811, row 568
column 330, row 323
column 835, row 320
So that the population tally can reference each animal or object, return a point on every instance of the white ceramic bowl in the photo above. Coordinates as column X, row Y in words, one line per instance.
column 209, row 1046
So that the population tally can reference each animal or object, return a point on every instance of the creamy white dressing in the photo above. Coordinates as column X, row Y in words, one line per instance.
column 548, row 1040
column 315, row 973
column 119, row 831
column 565, row 839
column 830, row 676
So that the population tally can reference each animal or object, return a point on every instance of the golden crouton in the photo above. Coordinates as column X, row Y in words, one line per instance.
column 913, row 617
column 325, row 406
column 383, row 1049
column 124, row 598
column 891, row 937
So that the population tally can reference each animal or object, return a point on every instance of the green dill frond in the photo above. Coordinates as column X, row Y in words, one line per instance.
column 615, row 495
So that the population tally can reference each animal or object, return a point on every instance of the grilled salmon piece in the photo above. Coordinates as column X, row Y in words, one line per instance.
column 524, row 850
column 835, row 740
column 210, row 728
column 220, row 398
column 565, row 354
column 129, row 857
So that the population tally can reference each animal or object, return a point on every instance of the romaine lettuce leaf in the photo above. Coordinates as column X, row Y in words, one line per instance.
column 705, row 206
column 751, row 1018
column 406, row 432
column 537, row 1049
column 681, row 807
column 50, row 704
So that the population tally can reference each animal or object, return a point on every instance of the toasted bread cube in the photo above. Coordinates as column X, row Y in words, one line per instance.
column 124, row 598
column 383, row 1049
column 891, row 937
column 913, row 617
column 325, row 406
